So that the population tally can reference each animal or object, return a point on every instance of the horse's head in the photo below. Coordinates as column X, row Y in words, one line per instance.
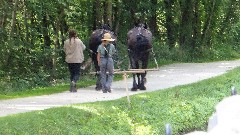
column 141, row 25
column 106, row 27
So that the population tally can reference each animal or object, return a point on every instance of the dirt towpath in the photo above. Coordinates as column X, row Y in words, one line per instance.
column 167, row 76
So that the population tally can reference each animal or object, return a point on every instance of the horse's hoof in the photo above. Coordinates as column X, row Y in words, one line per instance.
column 98, row 88
column 142, row 88
column 145, row 80
column 133, row 89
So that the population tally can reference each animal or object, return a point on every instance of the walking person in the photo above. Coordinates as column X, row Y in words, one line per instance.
column 105, row 53
column 73, row 48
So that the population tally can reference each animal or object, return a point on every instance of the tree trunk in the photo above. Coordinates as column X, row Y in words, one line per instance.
column 205, row 38
column 13, row 22
column 108, row 13
column 10, row 55
column 97, row 14
column 116, row 17
column 32, row 41
column 63, row 25
column 2, row 21
column 153, row 19
column 186, row 24
column 196, row 26
column 25, row 21
column 3, row 15
column 170, row 23
column 132, row 12
column 56, row 29
column 47, row 42
column 45, row 23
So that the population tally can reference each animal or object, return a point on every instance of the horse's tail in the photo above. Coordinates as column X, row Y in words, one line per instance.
column 142, row 43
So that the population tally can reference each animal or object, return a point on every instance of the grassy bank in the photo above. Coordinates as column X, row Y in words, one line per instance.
column 186, row 108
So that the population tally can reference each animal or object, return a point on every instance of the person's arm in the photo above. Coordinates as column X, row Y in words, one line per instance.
column 114, row 50
column 64, row 47
column 83, row 46
column 98, row 58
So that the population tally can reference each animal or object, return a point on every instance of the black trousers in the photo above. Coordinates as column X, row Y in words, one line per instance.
column 74, row 69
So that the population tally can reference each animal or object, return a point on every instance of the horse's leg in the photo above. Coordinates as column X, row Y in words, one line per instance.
column 138, row 75
column 133, row 66
column 134, row 88
column 98, row 82
column 143, row 75
column 97, row 70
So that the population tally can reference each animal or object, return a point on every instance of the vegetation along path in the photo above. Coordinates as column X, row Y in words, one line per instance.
column 168, row 76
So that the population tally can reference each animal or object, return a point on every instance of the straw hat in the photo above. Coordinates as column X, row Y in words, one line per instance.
column 107, row 37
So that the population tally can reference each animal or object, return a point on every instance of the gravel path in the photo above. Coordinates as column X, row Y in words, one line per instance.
column 167, row 76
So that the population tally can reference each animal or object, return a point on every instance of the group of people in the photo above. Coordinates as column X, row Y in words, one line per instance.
column 74, row 47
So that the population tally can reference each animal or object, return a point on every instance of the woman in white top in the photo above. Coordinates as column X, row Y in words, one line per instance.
column 73, row 48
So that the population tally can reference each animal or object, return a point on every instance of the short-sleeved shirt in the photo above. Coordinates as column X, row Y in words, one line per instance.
column 110, row 49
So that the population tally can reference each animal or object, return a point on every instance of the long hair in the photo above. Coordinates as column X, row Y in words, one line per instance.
column 72, row 34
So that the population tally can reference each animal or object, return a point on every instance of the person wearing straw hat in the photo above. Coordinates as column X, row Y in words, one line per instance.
column 106, row 50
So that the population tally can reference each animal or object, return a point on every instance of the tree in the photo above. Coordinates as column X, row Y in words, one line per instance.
column 108, row 12
column 97, row 14
column 170, row 26
column 153, row 18
column 13, row 21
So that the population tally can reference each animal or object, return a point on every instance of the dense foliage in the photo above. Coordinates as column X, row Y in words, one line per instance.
column 186, row 108
column 32, row 33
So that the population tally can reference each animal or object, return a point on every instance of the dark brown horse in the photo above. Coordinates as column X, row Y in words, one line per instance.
column 139, row 41
column 94, row 42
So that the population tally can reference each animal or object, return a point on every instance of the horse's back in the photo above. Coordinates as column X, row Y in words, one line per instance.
column 95, row 39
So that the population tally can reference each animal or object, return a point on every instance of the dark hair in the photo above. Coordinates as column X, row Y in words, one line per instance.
column 72, row 33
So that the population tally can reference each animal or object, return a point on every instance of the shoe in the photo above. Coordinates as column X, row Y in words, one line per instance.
column 73, row 87
column 98, row 88
column 104, row 91
column 133, row 89
column 109, row 90
column 70, row 89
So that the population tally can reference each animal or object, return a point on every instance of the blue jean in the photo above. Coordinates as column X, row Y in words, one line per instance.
column 106, row 65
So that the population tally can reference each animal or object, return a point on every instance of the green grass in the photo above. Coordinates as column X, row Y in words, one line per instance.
column 186, row 108
column 44, row 90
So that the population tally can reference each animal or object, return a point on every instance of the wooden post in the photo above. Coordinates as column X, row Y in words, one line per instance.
column 128, row 98
column 118, row 71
